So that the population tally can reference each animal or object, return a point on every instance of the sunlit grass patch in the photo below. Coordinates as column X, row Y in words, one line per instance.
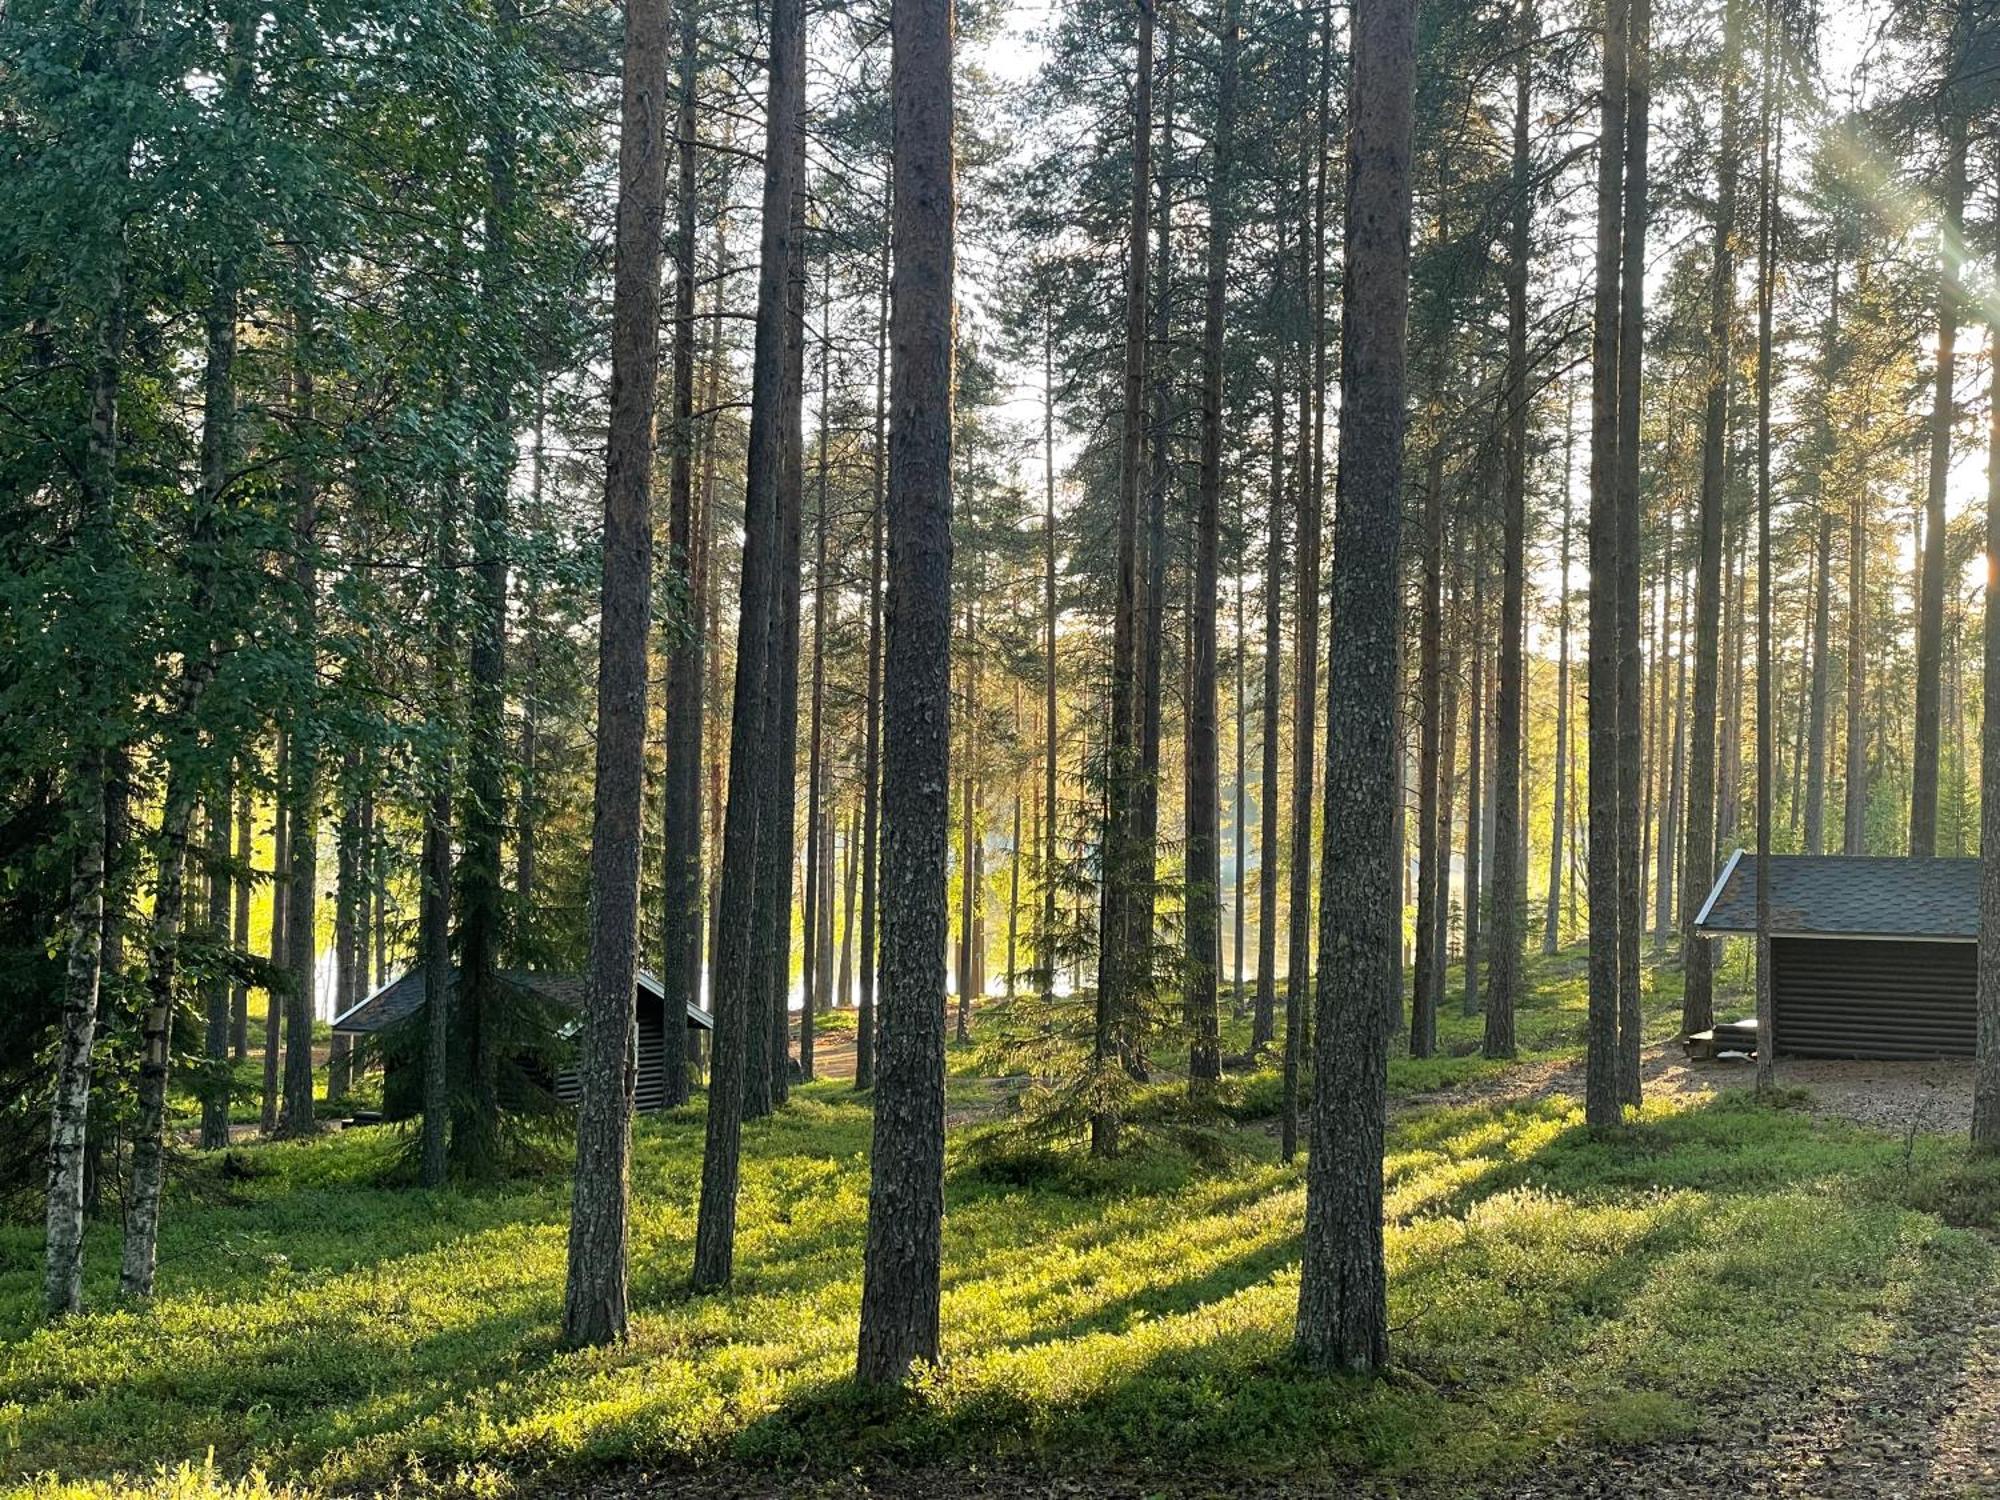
column 322, row 1325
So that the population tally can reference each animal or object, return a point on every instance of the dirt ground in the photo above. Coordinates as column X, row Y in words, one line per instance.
column 1898, row 1096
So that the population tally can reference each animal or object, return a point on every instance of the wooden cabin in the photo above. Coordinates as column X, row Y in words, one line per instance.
column 1871, row 956
column 561, row 998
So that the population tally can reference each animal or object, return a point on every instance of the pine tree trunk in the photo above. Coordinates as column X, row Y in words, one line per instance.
column 1631, row 644
column 239, row 997
column 1203, row 856
column 346, row 921
column 475, row 1134
column 850, row 846
column 871, row 758
column 1121, row 855
column 1674, row 788
column 1051, row 832
column 1014, row 864
column 1475, row 782
column 1433, row 880
column 1767, row 196
column 594, row 1296
column 738, row 975
column 434, row 913
column 1854, row 787
column 1509, row 897
column 901, row 1269
column 434, row 952
column 281, row 883
column 1454, row 622
column 768, row 1084
column 295, row 1112
column 1699, row 860
column 1150, row 953
column 1986, row 1077
column 1822, row 671
column 1343, row 1319
column 1559, row 812
column 1305, row 682
column 688, row 562
column 819, row 883
column 1604, row 1094
column 1270, row 837
column 1930, row 603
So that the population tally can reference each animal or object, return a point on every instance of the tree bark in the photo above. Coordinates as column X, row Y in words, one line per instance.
column 1305, row 683
column 871, row 758
column 738, row 975
column 681, row 885
column 1930, row 603
column 1121, row 854
column 1203, row 855
column 1475, row 781
column 594, row 1298
column 1854, row 788
column 1822, row 668
column 819, row 885
column 1509, row 899
column 767, row 1083
column 475, row 1134
column 1604, row 1094
column 1270, row 838
column 1698, row 863
column 1051, row 832
column 903, row 1258
column 1767, row 195
column 1433, row 880
column 1986, row 1078
column 281, row 882
column 347, row 917
column 1343, row 1319
column 1631, row 645
column 1559, row 812
column 295, row 1112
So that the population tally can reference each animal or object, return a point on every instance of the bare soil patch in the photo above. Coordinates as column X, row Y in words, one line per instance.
column 1901, row 1096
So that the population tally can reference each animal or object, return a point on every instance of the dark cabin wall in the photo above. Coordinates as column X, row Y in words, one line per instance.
column 1861, row 998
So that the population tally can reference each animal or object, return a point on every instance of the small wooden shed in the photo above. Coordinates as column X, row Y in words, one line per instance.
column 562, row 998
column 1871, row 956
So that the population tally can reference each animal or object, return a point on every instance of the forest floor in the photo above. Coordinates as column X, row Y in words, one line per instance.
column 1799, row 1297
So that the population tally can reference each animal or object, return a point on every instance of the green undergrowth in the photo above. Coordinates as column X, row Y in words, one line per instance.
column 320, row 1332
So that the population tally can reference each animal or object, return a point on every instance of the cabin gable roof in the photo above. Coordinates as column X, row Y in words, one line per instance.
column 1848, row 896
column 404, row 996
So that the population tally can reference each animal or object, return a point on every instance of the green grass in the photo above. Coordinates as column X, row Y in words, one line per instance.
column 1549, row 1289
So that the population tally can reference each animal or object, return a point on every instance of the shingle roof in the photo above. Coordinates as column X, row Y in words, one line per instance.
column 1841, row 895
column 405, row 996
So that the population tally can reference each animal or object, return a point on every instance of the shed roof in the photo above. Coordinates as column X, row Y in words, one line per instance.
column 1849, row 896
column 405, row 996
